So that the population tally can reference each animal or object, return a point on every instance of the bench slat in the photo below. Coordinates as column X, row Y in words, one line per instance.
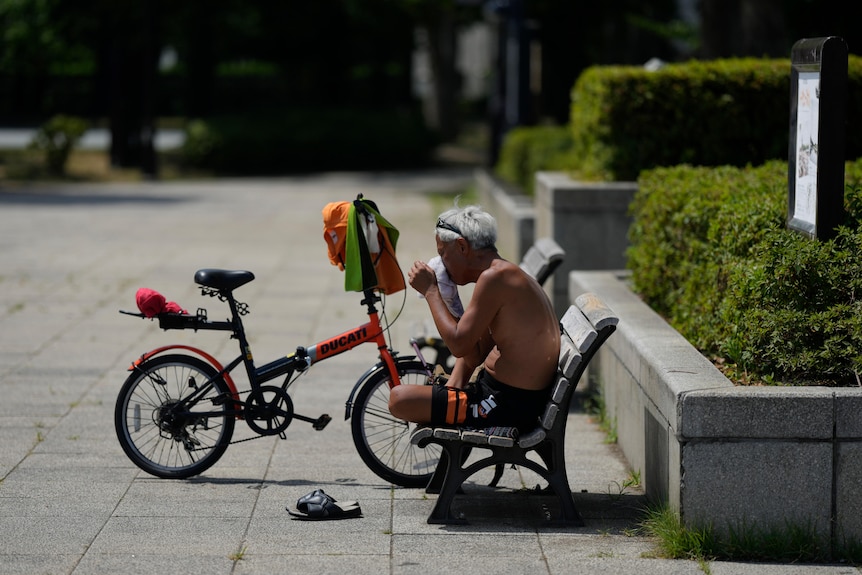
column 500, row 441
column 447, row 433
column 542, row 259
column 579, row 329
column 532, row 438
column 476, row 437
column 533, row 261
column 550, row 415
column 550, row 249
column 560, row 387
column 596, row 311
column 570, row 357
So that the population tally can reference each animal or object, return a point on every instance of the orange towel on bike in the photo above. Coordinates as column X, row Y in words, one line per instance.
column 362, row 243
column 335, row 216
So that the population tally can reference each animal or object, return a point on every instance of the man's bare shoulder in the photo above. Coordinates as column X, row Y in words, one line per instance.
column 506, row 273
column 501, row 269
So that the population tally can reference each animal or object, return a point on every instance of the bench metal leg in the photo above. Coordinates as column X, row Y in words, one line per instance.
column 449, row 477
column 436, row 482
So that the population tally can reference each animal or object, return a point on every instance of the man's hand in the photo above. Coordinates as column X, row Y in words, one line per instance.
column 422, row 277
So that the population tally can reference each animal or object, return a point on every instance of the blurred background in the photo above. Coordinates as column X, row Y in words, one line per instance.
column 168, row 89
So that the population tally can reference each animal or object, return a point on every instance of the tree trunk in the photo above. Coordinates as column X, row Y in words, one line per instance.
column 133, row 69
column 201, row 62
column 446, row 84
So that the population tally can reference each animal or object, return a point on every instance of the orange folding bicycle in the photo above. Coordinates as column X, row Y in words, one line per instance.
column 176, row 412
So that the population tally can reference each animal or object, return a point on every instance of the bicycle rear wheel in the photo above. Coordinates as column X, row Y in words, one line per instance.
column 382, row 440
column 163, row 437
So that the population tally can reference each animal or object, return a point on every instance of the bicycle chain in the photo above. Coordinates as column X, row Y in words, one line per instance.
column 231, row 443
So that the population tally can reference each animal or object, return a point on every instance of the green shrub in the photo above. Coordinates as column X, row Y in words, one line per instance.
column 795, row 309
column 57, row 137
column 201, row 143
column 723, row 112
column 735, row 112
column 626, row 119
column 528, row 150
column 306, row 140
column 711, row 252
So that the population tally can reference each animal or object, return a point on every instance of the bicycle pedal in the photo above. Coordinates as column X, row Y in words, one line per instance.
column 321, row 422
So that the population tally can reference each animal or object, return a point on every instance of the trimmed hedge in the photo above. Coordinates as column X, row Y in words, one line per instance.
column 625, row 119
column 710, row 251
column 307, row 140
column 526, row 151
column 707, row 113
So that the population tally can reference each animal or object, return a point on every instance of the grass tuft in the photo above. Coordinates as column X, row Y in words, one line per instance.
column 787, row 543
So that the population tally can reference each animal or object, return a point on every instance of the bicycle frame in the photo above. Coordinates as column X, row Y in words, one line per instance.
column 176, row 412
column 304, row 357
column 369, row 332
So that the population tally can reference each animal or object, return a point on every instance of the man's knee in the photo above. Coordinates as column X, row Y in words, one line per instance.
column 410, row 402
column 397, row 401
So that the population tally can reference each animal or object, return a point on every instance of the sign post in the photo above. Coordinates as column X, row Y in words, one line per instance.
column 818, row 96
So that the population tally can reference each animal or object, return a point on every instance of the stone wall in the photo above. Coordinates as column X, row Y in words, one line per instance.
column 721, row 454
column 589, row 220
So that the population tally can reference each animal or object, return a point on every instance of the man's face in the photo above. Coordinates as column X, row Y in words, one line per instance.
column 453, row 258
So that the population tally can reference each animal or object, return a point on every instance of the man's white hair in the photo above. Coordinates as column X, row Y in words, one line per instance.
column 472, row 223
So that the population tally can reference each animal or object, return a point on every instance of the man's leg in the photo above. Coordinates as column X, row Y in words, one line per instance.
column 411, row 402
column 435, row 404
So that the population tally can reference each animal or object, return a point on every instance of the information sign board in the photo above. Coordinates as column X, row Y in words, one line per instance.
column 818, row 98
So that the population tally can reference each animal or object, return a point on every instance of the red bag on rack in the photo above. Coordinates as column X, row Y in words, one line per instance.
column 152, row 303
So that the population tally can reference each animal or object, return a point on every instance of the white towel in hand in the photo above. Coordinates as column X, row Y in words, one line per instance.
column 448, row 288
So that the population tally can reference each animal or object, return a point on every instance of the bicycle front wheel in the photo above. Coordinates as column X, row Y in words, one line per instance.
column 383, row 440
column 162, row 434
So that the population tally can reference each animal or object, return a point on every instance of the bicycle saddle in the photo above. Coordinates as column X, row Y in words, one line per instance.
column 227, row 280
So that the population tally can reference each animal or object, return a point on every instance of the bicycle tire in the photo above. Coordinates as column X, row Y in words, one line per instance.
column 178, row 448
column 382, row 440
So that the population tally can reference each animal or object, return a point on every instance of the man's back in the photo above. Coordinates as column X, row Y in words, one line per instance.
column 525, row 329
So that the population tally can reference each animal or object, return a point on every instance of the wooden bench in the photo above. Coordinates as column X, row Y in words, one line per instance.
column 542, row 259
column 586, row 326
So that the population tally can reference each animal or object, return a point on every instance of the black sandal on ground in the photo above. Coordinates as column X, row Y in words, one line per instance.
column 317, row 505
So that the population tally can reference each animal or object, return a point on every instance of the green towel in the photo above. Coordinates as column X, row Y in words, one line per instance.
column 364, row 270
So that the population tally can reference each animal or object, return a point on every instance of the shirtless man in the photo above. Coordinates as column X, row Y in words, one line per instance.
column 509, row 327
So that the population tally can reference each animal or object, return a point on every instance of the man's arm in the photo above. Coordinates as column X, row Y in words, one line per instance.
column 469, row 336
column 444, row 320
column 464, row 366
column 424, row 280
column 471, row 333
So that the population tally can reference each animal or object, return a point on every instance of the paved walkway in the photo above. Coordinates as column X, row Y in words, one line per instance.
column 71, row 256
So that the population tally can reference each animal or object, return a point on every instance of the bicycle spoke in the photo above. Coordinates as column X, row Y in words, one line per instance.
column 158, row 431
column 383, row 440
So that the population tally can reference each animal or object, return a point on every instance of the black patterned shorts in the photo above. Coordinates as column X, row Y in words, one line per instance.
column 487, row 403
